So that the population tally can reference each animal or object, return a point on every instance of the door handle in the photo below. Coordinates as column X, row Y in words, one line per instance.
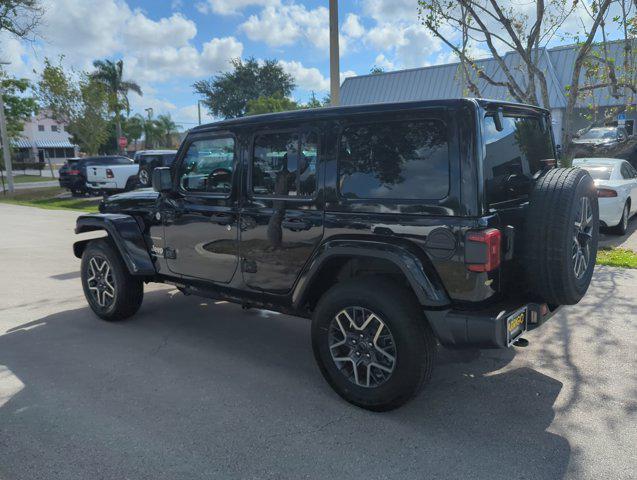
column 295, row 225
column 222, row 219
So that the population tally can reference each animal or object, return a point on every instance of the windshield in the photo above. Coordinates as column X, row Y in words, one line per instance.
column 597, row 133
column 599, row 172
column 513, row 155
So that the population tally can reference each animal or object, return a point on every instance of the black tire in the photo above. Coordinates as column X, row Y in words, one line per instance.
column 144, row 176
column 413, row 341
column 560, row 255
column 622, row 227
column 126, row 290
column 131, row 183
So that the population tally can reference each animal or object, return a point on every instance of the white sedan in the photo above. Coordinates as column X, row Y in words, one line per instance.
column 616, row 182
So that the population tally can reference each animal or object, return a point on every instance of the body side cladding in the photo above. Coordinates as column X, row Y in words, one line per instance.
column 128, row 238
column 420, row 275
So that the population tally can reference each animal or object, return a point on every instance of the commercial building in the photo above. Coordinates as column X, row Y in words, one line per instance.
column 43, row 138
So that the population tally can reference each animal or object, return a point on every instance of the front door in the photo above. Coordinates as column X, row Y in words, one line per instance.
column 282, row 215
column 201, row 218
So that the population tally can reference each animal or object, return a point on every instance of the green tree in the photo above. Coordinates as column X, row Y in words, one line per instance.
column 111, row 75
column 227, row 94
column 133, row 128
column 166, row 129
column 275, row 103
column 78, row 101
column 18, row 104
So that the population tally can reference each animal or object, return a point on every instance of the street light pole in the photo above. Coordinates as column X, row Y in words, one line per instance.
column 335, row 82
column 6, row 153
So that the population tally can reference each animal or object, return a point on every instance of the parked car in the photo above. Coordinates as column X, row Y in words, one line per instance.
column 616, row 182
column 602, row 137
column 393, row 226
column 73, row 175
column 148, row 160
column 112, row 178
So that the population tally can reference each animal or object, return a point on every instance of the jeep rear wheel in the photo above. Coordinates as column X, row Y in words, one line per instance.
column 372, row 343
column 111, row 291
column 561, row 231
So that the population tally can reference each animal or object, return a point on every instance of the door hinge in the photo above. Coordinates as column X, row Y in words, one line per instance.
column 248, row 266
column 170, row 253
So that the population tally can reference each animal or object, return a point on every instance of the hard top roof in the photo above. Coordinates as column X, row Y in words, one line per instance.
column 330, row 112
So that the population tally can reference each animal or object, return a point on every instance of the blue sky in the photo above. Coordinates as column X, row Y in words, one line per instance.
column 169, row 44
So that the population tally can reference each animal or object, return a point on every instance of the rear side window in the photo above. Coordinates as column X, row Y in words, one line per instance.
column 208, row 166
column 395, row 160
column 284, row 164
column 513, row 155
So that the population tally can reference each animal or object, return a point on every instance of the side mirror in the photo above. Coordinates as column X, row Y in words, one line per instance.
column 498, row 120
column 162, row 180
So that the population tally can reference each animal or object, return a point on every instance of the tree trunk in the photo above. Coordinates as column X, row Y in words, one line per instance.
column 118, row 132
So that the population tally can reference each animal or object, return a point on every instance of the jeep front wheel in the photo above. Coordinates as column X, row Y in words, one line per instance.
column 372, row 343
column 111, row 291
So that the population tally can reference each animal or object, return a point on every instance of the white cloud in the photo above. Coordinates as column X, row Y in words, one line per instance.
column 347, row 74
column 231, row 7
column 306, row 78
column 291, row 24
column 188, row 116
column 410, row 45
column 392, row 10
column 352, row 26
column 142, row 32
column 383, row 62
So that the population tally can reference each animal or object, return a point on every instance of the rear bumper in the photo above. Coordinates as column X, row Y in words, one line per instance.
column 611, row 210
column 106, row 186
column 483, row 328
column 71, row 182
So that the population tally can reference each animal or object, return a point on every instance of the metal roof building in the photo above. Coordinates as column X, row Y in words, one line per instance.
column 445, row 81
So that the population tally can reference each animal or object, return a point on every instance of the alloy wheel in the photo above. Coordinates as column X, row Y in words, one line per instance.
column 100, row 281
column 143, row 177
column 581, row 251
column 362, row 347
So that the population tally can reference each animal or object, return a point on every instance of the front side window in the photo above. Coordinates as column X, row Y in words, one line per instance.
column 284, row 164
column 398, row 160
column 208, row 166
column 513, row 155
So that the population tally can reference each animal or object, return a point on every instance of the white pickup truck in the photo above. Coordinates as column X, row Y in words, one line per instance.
column 118, row 177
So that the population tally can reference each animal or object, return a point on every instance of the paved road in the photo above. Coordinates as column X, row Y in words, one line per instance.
column 622, row 241
column 196, row 389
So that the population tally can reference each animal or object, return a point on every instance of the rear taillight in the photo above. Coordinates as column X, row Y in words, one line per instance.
column 606, row 192
column 109, row 173
column 482, row 250
column 73, row 172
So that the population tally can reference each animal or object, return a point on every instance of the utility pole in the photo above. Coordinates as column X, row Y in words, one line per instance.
column 199, row 110
column 335, row 81
column 6, row 152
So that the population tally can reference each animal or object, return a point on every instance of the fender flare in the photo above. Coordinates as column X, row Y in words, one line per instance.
column 125, row 233
column 414, row 264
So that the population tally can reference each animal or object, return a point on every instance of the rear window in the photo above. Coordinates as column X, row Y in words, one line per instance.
column 513, row 155
column 598, row 172
column 394, row 160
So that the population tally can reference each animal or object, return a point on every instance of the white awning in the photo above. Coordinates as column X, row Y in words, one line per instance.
column 53, row 144
column 21, row 143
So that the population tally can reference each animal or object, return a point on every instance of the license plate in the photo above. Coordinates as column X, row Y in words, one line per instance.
column 516, row 325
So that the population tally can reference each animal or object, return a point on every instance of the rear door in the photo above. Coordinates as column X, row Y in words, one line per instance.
column 282, row 215
column 630, row 175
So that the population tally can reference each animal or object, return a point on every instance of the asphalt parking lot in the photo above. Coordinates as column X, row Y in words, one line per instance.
column 190, row 388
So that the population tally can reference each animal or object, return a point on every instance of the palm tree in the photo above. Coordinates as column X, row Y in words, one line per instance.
column 167, row 128
column 111, row 75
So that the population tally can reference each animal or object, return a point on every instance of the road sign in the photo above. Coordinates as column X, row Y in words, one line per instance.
column 123, row 141
column 621, row 116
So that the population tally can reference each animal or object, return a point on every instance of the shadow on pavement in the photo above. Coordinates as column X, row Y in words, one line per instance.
column 190, row 388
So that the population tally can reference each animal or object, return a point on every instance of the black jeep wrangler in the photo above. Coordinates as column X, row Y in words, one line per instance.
column 394, row 227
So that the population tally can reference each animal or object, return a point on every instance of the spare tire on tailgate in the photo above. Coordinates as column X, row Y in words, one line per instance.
column 561, row 232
